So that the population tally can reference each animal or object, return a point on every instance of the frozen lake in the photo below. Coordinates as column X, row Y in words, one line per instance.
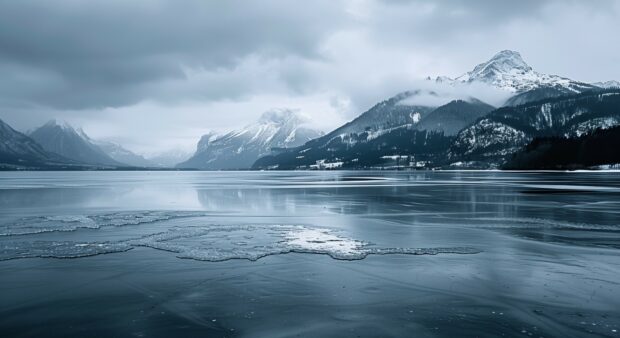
column 311, row 254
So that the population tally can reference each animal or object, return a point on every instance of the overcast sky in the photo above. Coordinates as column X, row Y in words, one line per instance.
column 157, row 74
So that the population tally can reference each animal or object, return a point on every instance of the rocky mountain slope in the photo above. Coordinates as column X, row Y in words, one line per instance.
column 491, row 140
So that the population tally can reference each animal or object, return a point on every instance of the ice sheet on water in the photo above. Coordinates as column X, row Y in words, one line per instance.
column 208, row 242
column 221, row 242
column 33, row 225
column 224, row 242
column 55, row 249
column 41, row 224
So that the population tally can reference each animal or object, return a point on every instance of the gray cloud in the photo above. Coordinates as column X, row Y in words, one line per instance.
column 108, row 50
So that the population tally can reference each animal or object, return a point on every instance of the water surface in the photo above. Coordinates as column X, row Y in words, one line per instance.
column 330, row 254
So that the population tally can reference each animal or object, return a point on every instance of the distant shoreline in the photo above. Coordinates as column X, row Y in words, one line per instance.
column 307, row 170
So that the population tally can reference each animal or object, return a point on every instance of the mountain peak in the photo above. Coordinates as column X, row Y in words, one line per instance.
column 507, row 71
column 502, row 64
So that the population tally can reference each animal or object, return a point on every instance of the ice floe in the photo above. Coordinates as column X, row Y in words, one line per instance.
column 57, row 249
column 205, row 242
column 41, row 224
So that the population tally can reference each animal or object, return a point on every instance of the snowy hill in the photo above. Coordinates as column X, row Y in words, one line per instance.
column 275, row 130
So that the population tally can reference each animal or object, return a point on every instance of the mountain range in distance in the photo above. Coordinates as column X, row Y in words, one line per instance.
column 457, row 133
column 58, row 146
column 405, row 131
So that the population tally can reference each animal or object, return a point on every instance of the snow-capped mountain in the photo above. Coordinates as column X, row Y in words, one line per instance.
column 61, row 138
column 507, row 71
column 383, row 130
column 20, row 151
column 239, row 149
column 122, row 155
